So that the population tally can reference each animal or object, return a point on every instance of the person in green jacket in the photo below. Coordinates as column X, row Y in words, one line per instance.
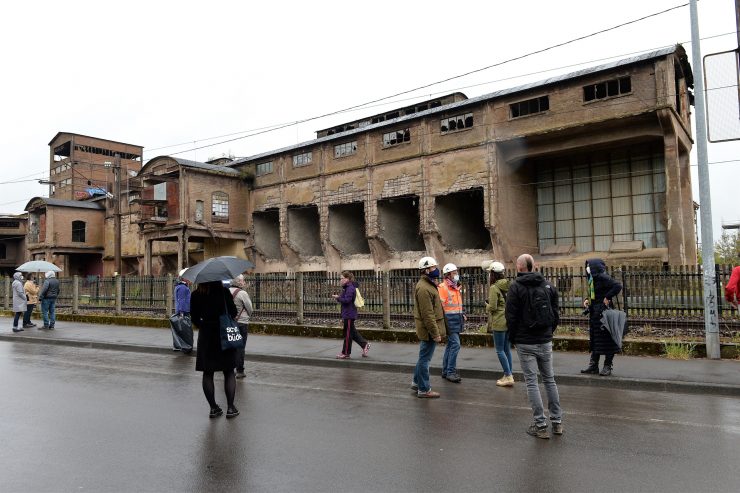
column 497, row 322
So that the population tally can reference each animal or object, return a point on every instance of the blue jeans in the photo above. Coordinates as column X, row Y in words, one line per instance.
column 533, row 357
column 449, row 360
column 48, row 311
column 421, row 372
column 503, row 350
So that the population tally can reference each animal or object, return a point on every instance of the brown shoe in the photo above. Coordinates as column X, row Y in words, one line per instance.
column 429, row 394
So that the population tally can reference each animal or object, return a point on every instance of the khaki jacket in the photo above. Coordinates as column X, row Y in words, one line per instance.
column 496, row 305
column 429, row 316
column 32, row 291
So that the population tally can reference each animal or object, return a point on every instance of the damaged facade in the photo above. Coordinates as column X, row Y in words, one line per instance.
column 592, row 163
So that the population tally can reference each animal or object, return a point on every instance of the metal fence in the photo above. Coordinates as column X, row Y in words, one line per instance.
column 660, row 293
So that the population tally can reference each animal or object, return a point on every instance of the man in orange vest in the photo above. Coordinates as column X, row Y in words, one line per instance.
column 451, row 296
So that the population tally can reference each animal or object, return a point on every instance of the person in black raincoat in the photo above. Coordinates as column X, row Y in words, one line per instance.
column 601, row 289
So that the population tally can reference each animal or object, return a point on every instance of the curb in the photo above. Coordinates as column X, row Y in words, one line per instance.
column 480, row 374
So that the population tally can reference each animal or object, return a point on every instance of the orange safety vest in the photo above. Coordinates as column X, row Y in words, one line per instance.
column 451, row 298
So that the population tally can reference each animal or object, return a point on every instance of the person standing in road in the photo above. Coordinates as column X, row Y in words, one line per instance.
column 532, row 315
column 182, row 303
column 601, row 289
column 19, row 300
column 32, row 297
column 244, row 311
column 451, row 296
column 348, row 312
column 209, row 301
column 430, row 324
column 495, row 307
column 48, row 297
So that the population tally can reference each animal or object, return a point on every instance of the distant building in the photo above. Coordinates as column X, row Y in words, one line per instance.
column 12, row 242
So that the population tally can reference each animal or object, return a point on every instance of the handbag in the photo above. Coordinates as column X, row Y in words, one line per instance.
column 231, row 338
column 359, row 300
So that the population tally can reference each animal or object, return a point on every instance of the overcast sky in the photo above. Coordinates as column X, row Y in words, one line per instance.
column 175, row 75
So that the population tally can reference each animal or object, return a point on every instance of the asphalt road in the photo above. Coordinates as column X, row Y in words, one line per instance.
column 79, row 420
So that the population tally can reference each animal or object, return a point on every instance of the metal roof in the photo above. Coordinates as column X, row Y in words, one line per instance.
column 187, row 163
column 78, row 204
column 478, row 99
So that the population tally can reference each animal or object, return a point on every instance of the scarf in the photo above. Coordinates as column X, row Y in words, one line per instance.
column 450, row 283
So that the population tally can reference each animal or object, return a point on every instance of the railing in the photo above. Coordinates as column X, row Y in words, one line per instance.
column 657, row 294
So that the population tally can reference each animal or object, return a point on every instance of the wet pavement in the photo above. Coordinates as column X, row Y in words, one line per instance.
column 630, row 372
column 82, row 419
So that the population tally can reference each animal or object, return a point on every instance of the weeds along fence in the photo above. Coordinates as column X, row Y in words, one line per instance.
column 674, row 293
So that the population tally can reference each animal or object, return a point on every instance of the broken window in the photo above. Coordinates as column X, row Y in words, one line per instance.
column 607, row 89
column 264, row 168
column 397, row 137
column 220, row 207
column 302, row 159
column 78, row 231
column 459, row 122
column 530, row 106
column 346, row 149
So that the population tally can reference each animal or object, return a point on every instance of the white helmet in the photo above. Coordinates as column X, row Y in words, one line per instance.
column 497, row 267
column 486, row 264
column 182, row 272
column 448, row 268
column 427, row 262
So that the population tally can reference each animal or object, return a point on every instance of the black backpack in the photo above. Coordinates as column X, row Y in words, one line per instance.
column 538, row 314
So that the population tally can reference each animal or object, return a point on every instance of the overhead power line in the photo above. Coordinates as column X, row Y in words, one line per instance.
column 425, row 86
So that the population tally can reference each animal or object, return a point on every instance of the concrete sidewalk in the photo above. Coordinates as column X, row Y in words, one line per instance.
column 631, row 372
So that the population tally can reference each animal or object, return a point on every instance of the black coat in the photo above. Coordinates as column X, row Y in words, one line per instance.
column 516, row 300
column 600, row 341
column 205, row 310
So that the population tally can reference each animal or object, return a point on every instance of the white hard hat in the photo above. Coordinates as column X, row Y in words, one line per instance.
column 182, row 272
column 486, row 264
column 427, row 262
column 448, row 268
column 497, row 267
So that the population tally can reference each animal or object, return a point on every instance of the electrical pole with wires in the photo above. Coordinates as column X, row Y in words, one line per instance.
column 117, row 212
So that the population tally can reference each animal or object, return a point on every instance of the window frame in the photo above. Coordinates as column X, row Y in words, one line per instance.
column 444, row 130
column 595, row 89
column 338, row 153
column 405, row 137
column 257, row 171
column 302, row 159
column 76, row 231
column 526, row 104
column 219, row 207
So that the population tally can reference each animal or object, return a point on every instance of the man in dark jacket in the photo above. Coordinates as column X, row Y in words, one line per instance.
column 532, row 315
column 429, row 319
column 48, row 297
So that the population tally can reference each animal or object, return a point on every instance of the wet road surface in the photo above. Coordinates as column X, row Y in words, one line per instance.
column 93, row 420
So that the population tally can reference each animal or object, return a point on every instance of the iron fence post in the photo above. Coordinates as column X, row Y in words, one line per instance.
column 386, row 280
column 718, row 283
column 75, row 294
column 299, row 297
column 169, row 294
column 119, row 306
column 624, row 290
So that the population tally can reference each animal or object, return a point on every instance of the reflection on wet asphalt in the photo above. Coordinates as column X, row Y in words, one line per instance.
column 93, row 420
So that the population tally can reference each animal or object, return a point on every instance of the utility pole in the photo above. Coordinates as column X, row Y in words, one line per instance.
column 711, row 322
column 117, row 211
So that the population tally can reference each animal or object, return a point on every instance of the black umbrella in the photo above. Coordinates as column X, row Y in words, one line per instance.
column 217, row 269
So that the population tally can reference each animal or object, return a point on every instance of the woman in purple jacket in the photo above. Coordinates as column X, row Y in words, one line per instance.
column 349, row 315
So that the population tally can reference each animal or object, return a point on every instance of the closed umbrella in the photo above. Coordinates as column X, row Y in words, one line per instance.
column 217, row 269
column 38, row 266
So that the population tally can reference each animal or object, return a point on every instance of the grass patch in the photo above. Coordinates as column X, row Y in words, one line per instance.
column 678, row 350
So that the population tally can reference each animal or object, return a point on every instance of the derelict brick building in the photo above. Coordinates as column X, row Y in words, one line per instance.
column 592, row 163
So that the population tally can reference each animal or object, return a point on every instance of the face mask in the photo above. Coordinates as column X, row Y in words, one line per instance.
column 456, row 278
column 588, row 270
column 434, row 274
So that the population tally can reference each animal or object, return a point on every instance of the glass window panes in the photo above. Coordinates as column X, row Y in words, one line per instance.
column 220, row 207
column 264, row 168
column 345, row 149
column 302, row 159
column 620, row 197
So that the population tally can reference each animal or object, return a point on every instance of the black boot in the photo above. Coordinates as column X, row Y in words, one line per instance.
column 592, row 368
column 606, row 371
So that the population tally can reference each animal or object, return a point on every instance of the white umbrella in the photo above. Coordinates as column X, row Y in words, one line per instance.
column 38, row 266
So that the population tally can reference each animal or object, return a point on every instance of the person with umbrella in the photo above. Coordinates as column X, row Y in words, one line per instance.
column 48, row 298
column 19, row 300
column 32, row 297
column 207, row 304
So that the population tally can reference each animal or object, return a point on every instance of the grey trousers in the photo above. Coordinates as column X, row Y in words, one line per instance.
column 531, row 358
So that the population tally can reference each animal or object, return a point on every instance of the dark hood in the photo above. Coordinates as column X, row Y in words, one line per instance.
column 597, row 266
column 530, row 278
